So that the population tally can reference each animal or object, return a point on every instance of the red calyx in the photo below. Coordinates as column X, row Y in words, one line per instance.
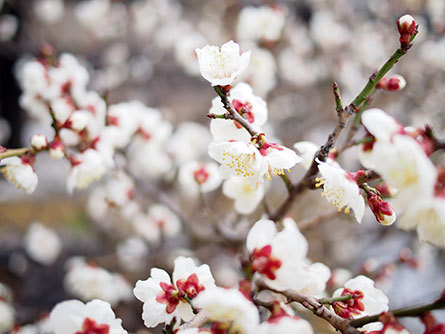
column 190, row 287
column 201, row 175
column 90, row 326
column 347, row 308
column 263, row 262
column 169, row 296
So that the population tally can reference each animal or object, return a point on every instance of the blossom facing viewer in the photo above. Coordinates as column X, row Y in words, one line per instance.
column 220, row 66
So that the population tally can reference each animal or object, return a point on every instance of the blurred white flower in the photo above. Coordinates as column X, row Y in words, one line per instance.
column 49, row 11
column 19, row 172
column 285, row 324
column 8, row 27
column 222, row 66
column 195, row 177
column 93, row 317
column 7, row 317
column 39, row 142
column 132, row 253
column 185, row 53
column 246, row 196
column 230, row 308
column 89, row 281
column 165, row 299
column 42, row 244
column 261, row 23
column 86, row 168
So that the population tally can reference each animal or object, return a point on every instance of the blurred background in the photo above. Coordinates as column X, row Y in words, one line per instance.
column 144, row 50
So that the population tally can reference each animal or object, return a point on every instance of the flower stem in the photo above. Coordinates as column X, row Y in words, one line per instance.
column 15, row 152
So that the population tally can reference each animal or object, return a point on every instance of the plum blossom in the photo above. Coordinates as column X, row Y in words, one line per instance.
column 39, row 142
column 340, row 189
column 427, row 214
column 249, row 106
column 246, row 197
column 88, row 281
column 159, row 222
column 7, row 316
column 261, row 23
column 42, row 244
column 229, row 309
column 73, row 316
column 280, row 258
column 20, row 172
column 285, row 324
column 165, row 299
column 86, row 168
column 132, row 253
column 222, row 66
column 243, row 159
column 367, row 299
column 195, row 177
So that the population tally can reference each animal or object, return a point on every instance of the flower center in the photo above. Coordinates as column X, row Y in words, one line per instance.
column 190, row 287
column 334, row 195
column 243, row 163
column 263, row 262
column 169, row 296
column 245, row 110
column 201, row 175
column 347, row 308
column 89, row 326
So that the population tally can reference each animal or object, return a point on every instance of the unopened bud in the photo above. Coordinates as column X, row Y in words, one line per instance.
column 56, row 149
column 406, row 26
column 393, row 83
column 39, row 142
column 382, row 211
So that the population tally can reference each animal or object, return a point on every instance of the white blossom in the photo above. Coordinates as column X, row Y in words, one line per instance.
column 19, row 172
column 164, row 298
column 42, row 244
column 261, row 23
column 285, row 324
column 230, row 307
column 73, row 316
column 222, row 66
column 340, row 189
column 195, row 177
column 7, row 316
column 246, row 197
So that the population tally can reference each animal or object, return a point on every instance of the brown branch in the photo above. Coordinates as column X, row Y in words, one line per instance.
column 233, row 114
column 312, row 222
column 313, row 304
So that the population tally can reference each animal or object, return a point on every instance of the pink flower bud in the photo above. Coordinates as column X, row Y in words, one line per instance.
column 406, row 26
column 382, row 211
column 392, row 84
column 39, row 142
column 56, row 149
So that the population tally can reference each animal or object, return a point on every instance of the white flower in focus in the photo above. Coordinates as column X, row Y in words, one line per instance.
column 222, row 66
column 164, row 299
column 248, row 105
column 285, row 324
column 368, row 300
column 261, row 23
column 231, row 308
column 246, row 196
column 238, row 158
column 42, row 244
column 73, row 316
column 132, row 253
column 19, row 172
column 280, row 257
column 340, row 189
column 195, row 177
column 7, row 317
column 89, row 281
column 86, row 168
